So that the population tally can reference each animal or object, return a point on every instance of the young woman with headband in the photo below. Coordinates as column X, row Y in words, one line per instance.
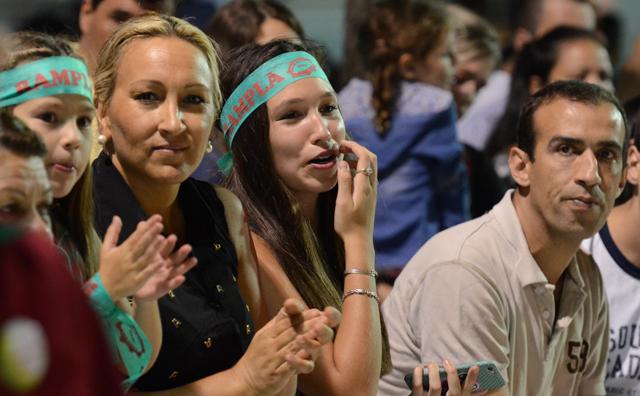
column 310, row 212
column 47, row 86
column 157, row 95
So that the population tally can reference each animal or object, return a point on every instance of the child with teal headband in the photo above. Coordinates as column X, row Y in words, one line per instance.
column 43, row 83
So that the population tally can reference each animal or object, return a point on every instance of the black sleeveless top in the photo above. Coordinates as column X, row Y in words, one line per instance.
column 205, row 323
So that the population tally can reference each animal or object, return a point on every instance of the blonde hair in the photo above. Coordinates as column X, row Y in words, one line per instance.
column 151, row 25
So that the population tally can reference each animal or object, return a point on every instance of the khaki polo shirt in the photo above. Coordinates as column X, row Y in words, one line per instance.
column 474, row 292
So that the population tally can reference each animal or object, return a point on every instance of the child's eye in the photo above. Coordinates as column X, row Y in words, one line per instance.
column 49, row 117
column 84, row 122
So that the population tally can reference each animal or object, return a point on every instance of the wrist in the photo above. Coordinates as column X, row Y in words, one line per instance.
column 242, row 378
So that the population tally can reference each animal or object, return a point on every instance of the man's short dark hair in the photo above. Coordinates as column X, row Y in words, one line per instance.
column 18, row 139
column 575, row 91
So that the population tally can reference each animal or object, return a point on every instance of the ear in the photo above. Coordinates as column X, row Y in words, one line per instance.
column 633, row 166
column 104, row 122
column 519, row 164
column 535, row 84
column 84, row 18
column 407, row 67
column 521, row 37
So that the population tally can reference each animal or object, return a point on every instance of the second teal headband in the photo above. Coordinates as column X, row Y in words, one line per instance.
column 56, row 75
column 262, row 84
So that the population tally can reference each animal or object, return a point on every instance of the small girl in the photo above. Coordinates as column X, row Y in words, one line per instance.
column 405, row 114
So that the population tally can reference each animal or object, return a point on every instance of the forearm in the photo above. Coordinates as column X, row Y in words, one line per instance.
column 355, row 361
column 147, row 315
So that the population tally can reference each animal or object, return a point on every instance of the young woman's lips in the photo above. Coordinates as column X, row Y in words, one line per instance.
column 324, row 160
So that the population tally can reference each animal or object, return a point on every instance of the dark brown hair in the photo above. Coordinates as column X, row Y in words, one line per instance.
column 394, row 28
column 238, row 22
column 313, row 261
column 575, row 91
column 632, row 109
column 75, row 210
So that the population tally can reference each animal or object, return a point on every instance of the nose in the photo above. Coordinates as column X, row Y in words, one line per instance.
column 588, row 171
column 172, row 118
column 321, row 133
column 71, row 136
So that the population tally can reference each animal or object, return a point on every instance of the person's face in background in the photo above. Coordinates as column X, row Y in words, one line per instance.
column 98, row 22
column 554, row 13
column 583, row 60
column 275, row 29
column 25, row 192
column 436, row 67
column 63, row 122
column 161, row 113
column 472, row 70
column 573, row 13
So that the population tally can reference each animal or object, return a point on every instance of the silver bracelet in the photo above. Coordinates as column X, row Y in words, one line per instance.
column 361, row 292
column 357, row 271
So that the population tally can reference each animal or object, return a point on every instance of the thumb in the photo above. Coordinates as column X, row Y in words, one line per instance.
column 345, row 182
column 113, row 233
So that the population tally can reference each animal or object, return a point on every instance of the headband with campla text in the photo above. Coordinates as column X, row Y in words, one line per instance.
column 262, row 84
column 56, row 75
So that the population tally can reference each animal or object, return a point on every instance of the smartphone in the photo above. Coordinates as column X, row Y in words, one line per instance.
column 489, row 377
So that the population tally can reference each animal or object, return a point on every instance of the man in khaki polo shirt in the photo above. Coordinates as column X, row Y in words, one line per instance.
column 511, row 286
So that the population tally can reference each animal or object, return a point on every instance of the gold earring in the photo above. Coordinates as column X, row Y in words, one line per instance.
column 209, row 148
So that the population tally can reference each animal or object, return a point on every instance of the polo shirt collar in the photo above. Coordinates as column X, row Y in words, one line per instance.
column 526, row 268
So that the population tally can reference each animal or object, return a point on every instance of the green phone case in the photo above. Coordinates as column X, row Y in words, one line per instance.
column 489, row 377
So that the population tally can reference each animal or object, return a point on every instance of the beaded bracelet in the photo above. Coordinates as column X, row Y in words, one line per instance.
column 357, row 271
column 361, row 292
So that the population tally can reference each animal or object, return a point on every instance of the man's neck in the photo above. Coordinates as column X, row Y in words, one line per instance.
column 623, row 223
column 552, row 252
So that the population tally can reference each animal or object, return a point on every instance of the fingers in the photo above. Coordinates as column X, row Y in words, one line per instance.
column 139, row 241
column 416, row 389
column 470, row 382
column 112, row 234
column 345, row 183
column 435, row 385
column 455, row 388
column 301, row 362
column 332, row 316
column 293, row 307
column 168, row 246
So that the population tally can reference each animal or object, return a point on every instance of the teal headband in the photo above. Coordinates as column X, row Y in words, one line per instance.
column 56, row 75
column 258, row 87
column 264, row 83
